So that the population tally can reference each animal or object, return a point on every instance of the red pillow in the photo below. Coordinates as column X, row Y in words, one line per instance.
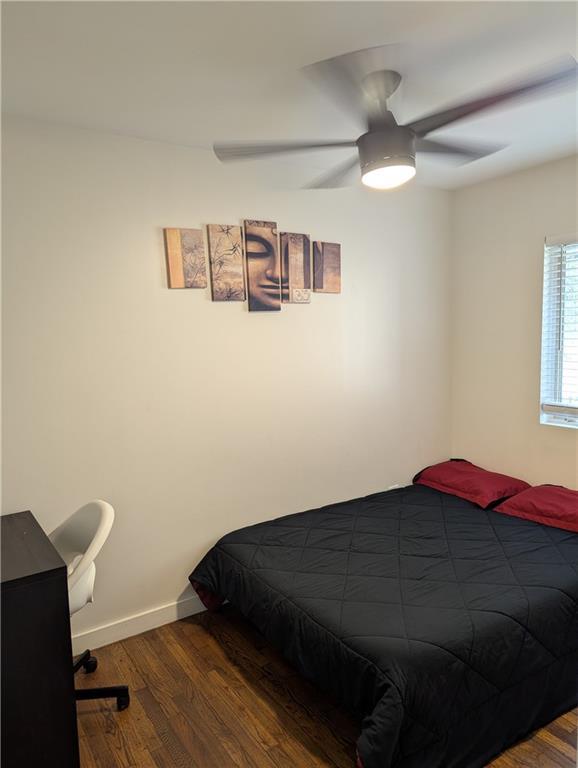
column 551, row 505
column 463, row 479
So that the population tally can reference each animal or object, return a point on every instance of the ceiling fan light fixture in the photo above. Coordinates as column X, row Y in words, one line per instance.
column 389, row 176
column 387, row 158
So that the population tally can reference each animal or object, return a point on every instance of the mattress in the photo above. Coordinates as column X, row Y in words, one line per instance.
column 450, row 630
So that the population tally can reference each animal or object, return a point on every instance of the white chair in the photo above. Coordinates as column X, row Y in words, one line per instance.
column 78, row 540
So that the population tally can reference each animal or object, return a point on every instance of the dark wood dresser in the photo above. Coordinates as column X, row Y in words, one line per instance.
column 38, row 707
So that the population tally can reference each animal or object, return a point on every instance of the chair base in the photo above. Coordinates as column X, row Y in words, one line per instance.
column 118, row 692
column 89, row 663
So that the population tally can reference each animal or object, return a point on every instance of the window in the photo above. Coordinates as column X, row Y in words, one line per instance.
column 559, row 386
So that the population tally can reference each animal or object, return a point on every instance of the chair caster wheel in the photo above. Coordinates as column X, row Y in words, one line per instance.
column 122, row 702
column 90, row 664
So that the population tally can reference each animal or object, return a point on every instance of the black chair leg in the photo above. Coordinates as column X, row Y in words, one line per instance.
column 118, row 692
column 88, row 662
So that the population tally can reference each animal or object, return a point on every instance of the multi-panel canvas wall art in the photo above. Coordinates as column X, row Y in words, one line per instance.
column 263, row 266
column 185, row 251
column 253, row 262
column 295, row 268
column 326, row 267
column 226, row 262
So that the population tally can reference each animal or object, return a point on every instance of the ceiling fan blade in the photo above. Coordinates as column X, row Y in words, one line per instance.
column 563, row 74
column 463, row 152
column 353, row 80
column 245, row 151
column 338, row 176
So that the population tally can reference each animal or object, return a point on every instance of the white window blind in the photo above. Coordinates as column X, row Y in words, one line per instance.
column 559, row 384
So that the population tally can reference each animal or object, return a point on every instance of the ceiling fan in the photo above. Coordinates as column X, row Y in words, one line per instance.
column 386, row 150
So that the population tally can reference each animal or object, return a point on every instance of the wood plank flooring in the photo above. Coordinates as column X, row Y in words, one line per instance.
column 208, row 692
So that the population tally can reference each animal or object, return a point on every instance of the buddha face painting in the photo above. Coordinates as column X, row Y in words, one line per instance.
column 263, row 266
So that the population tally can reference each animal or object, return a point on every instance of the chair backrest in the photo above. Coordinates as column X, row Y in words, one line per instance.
column 80, row 537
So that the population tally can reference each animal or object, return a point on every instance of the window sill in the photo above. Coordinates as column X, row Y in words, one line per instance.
column 566, row 422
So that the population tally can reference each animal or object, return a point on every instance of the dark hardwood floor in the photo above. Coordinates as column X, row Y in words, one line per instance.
column 208, row 692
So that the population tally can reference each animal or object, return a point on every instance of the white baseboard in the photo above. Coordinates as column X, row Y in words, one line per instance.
column 134, row 625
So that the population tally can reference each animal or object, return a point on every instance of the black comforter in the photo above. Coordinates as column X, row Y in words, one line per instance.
column 451, row 630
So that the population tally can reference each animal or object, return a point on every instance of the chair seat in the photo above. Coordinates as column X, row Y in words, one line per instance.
column 78, row 540
column 81, row 593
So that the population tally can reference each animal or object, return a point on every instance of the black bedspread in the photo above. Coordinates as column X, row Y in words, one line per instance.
column 452, row 630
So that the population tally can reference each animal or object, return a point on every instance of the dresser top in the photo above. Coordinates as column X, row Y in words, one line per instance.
column 26, row 550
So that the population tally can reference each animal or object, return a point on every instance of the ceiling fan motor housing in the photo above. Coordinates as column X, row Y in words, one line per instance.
column 392, row 146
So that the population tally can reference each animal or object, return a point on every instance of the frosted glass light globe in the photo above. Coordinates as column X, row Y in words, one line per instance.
column 388, row 177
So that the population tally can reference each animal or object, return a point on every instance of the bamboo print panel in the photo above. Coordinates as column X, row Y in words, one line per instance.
column 185, row 251
column 263, row 266
column 226, row 262
column 326, row 267
column 295, row 268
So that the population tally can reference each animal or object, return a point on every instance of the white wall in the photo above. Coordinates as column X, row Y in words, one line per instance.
column 195, row 418
column 498, row 239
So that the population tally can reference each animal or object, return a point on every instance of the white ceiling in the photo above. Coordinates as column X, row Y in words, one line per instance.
column 192, row 73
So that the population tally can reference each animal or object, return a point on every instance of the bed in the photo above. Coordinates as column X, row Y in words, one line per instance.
column 451, row 630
